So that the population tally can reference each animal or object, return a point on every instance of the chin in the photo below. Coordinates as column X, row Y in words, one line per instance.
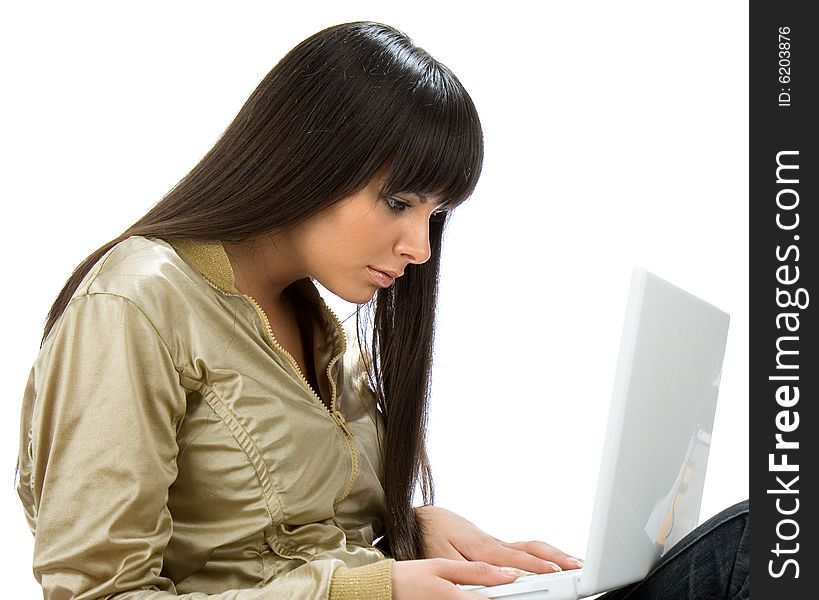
column 356, row 296
column 364, row 298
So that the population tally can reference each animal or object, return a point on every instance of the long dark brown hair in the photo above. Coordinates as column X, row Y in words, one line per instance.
column 341, row 106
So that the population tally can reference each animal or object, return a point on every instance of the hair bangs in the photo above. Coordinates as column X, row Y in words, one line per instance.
column 439, row 149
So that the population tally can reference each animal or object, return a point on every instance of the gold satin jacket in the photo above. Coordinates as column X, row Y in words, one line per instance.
column 170, row 448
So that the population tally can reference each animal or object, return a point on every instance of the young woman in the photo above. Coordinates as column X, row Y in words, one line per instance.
column 198, row 425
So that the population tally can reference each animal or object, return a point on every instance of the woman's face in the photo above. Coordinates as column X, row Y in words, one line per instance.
column 365, row 241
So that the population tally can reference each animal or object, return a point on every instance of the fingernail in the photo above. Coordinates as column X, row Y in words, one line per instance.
column 511, row 572
column 576, row 562
column 554, row 566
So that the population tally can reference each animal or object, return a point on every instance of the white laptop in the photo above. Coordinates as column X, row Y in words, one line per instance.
column 656, row 447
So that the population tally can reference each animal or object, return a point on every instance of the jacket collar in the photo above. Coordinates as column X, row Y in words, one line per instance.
column 210, row 259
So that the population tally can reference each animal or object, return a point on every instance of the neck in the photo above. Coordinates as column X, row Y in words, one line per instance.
column 264, row 266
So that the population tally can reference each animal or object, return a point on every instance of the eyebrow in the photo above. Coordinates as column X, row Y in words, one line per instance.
column 422, row 198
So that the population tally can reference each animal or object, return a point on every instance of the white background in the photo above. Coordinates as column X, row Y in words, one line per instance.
column 616, row 135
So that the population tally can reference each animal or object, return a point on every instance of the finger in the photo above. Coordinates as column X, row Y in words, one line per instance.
column 520, row 559
column 475, row 573
column 547, row 553
column 504, row 555
column 465, row 594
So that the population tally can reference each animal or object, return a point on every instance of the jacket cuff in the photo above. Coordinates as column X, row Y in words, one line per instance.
column 370, row 582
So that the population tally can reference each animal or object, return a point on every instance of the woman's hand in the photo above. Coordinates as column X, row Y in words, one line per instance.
column 447, row 535
column 436, row 579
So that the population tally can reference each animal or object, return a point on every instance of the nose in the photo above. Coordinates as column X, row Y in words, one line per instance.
column 413, row 245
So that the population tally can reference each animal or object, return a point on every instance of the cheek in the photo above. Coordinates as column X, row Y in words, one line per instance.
column 371, row 235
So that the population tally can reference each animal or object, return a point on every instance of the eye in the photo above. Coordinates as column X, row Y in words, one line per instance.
column 396, row 205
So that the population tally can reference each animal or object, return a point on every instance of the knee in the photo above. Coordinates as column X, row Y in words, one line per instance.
column 731, row 518
column 738, row 510
column 739, row 515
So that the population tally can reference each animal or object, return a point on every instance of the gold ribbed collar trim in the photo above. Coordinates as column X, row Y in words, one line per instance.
column 210, row 259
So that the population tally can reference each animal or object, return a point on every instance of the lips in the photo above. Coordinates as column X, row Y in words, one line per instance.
column 393, row 274
column 383, row 278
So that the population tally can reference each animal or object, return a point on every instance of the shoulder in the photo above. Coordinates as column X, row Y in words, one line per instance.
column 137, row 269
column 148, row 275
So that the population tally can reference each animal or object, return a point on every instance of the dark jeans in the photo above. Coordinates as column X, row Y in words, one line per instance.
column 713, row 561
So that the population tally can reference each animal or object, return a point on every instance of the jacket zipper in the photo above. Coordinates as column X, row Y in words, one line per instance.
column 334, row 413
column 280, row 348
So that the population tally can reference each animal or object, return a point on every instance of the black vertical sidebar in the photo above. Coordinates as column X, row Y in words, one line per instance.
column 784, row 299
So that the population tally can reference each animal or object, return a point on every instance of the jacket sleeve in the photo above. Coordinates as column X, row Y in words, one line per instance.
column 103, row 455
